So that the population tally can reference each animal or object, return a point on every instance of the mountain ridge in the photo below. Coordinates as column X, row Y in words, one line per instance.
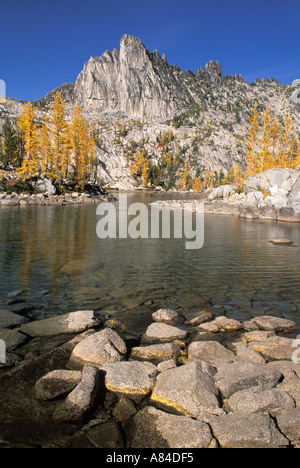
column 207, row 112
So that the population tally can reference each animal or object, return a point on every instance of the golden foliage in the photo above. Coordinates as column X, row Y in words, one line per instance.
column 28, row 129
column 271, row 144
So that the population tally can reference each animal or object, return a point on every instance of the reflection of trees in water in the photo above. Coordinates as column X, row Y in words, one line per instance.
column 46, row 240
column 57, row 249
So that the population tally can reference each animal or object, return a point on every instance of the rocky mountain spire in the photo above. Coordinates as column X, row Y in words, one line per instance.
column 133, row 81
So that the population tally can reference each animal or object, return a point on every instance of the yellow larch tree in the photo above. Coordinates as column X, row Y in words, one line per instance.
column 60, row 135
column 29, row 132
column 264, row 153
column 138, row 164
column 289, row 145
column 271, row 143
column 145, row 174
column 184, row 176
column 82, row 146
column 275, row 136
column 239, row 176
column 46, row 148
column 197, row 184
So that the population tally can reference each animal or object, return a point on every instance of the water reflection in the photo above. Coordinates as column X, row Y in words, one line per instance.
column 54, row 256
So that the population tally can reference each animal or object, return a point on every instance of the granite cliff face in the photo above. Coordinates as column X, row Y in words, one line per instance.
column 132, row 81
column 133, row 96
column 139, row 83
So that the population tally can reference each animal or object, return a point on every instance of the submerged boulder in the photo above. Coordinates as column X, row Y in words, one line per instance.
column 168, row 316
column 56, row 383
column 74, row 322
column 269, row 323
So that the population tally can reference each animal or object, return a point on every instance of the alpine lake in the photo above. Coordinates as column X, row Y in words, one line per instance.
column 52, row 262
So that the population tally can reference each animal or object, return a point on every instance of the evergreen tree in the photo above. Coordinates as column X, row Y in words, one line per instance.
column 10, row 145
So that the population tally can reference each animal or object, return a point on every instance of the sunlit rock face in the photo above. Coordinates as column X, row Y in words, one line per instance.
column 132, row 80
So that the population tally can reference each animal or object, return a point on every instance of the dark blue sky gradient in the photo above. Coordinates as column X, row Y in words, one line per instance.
column 46, row 43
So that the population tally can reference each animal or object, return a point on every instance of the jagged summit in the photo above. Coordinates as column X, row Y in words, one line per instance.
column 132, row 80
column 135, row 82
column 139, row 83
column 133, row 96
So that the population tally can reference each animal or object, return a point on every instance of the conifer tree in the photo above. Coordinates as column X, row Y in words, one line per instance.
column 82, row 145
column 264, row 153
column 59, row 135
column 275, row 136
column 145, row 174
column 10, row 144
column 138, row 164
column 184, row 176
column 46, row 148
column 288, row 150
column 197, row 184
column 28, row 129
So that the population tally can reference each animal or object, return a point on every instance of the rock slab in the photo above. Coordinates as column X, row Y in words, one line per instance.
column 156, row 429
column 247, row 431
column 162, row 332
column 98, row 349
column 56, row 383
column 81, row 399
column 75, row 322
column 130, row 378
column 186, row 390
column 234, row 375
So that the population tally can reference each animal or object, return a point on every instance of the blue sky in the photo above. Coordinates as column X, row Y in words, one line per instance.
column 46, row 43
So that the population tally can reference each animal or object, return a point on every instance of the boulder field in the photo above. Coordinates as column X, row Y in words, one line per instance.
column 210, row 382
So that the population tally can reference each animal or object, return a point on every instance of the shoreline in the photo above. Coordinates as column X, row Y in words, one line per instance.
column 226, row 208
column 223, row 206
column 74, row 198
column 98, row 389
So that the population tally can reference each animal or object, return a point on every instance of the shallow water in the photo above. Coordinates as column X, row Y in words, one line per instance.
column 52, row 262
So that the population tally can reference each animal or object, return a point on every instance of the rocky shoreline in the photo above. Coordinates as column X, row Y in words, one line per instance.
column 233, row 208
column 210, row 381
column 272, row 195
column 44, row 199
